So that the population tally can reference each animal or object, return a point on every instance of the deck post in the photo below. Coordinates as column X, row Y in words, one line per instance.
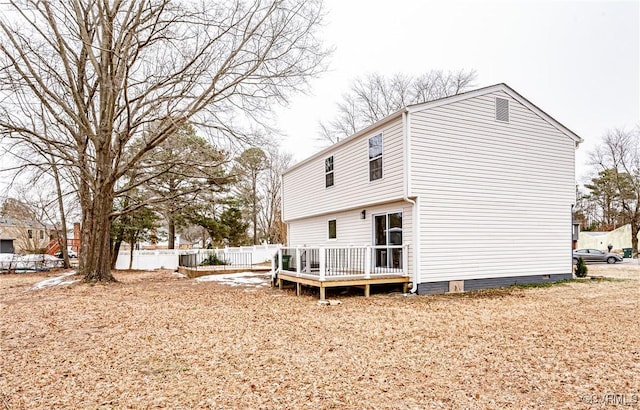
column 298, row 261
column 405, row 260
column 367, row 262
column 273, row 272
column 323, row 263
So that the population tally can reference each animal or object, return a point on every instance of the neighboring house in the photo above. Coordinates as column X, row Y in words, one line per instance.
column 6, row 238
column 18, row 236
column 575, row 233
column 465, row 192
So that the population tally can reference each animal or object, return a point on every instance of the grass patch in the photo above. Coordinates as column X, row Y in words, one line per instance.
column 545, row 284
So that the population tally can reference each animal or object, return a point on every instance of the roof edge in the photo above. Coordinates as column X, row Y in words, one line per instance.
column 443, row 101
column 493, row 88
column 331, row 147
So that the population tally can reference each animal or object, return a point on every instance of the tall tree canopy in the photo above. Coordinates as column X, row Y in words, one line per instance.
column 373, row 97
column 99, row 83
column 248, row 167
column 618, row 160
column 180, row 169
column 604, row 194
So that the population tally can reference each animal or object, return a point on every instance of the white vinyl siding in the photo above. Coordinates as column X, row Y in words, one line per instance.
column 495, row 197
column 353, row 231
column 304, row 187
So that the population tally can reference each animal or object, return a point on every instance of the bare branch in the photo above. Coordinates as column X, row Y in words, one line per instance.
column 373, row 97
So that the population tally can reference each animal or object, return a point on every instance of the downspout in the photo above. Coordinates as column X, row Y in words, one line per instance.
column 414, row 203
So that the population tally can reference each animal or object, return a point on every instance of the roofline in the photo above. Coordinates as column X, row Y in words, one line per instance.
column 443, row 101
column 363, row 131
column 490, row 89
column 348, row 208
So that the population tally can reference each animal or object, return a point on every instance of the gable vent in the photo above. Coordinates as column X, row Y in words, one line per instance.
column 502, row 109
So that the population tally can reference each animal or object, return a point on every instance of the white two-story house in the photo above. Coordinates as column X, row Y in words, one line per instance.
column 465, row 192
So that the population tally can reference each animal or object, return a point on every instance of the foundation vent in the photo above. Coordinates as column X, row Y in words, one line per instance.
column 456, row 286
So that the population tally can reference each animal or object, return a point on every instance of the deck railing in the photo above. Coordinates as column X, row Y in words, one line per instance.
column 325, row 263
column 216, row 257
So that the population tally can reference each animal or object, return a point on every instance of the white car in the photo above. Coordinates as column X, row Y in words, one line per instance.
column 72, row 254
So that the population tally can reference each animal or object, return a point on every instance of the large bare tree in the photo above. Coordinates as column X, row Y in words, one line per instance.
column 110, row 80
column 373, row 97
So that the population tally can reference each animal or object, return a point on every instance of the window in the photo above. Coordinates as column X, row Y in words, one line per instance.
column 375, row 157
column 30, row 233
column 332, row 229
column 328, row 172
column 502, row 109
column 41, row 234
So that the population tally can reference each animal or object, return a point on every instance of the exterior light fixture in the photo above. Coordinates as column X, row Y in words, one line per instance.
column 363, row 214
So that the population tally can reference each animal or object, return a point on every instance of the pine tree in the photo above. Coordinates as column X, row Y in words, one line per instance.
column 581, row 268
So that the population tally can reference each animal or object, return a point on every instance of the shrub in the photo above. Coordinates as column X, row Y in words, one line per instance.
column 581, row 268
column 213, row 259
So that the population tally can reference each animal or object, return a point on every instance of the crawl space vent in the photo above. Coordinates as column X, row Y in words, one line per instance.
column 502, row 109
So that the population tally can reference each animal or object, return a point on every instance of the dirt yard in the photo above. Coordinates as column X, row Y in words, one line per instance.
column 155, row 340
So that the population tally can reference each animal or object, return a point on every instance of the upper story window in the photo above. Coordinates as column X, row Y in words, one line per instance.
column 41, row 234
column 328, row 172
column 375, row 157
column 30, row 233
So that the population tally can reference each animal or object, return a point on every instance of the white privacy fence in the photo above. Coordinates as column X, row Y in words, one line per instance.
column 168, row 258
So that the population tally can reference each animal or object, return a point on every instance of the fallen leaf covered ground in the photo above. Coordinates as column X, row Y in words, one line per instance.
column 155, row 340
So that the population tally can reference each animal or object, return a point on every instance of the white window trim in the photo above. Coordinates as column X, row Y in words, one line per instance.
column 333, row 171
column 336, row 221
column 381, row 134
column 373, row 223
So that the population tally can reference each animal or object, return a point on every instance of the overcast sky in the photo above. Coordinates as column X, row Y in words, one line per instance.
column 577, row 61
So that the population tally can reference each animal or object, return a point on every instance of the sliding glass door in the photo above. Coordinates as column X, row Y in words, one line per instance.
column 387, row 232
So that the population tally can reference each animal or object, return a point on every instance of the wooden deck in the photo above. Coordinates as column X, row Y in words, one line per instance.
column 338, row 281
column 198, row 271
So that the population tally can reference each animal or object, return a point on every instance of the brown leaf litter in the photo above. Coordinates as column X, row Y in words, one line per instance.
column 154, row 340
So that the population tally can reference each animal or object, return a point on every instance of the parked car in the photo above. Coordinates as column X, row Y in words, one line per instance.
column 596, row 255
column 72, row 254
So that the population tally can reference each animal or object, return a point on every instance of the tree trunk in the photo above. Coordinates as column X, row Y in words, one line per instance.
column 634, row 239
column 131, row 255
column 96, row 235
column 172, row 233
column 115, row 252
column 63, row 219
column 254, row 211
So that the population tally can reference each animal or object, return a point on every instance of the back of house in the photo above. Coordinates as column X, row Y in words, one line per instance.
column 466, row 192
